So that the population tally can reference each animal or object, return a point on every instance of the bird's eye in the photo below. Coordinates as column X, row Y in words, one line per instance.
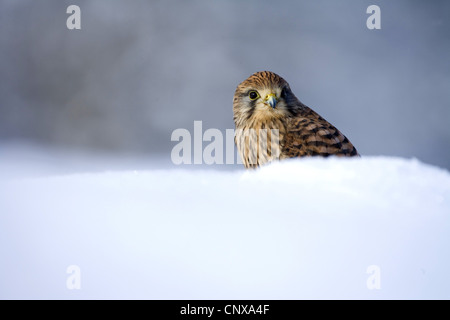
column 253, row 95
column 283, row 93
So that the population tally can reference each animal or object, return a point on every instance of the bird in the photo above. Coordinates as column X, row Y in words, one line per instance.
column 272, row 124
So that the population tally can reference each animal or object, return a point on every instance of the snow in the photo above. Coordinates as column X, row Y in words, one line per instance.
column 301, row 228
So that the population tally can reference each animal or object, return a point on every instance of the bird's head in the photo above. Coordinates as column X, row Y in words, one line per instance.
column 263, row 95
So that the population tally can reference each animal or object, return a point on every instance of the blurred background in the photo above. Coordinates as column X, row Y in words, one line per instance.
column 137, row 70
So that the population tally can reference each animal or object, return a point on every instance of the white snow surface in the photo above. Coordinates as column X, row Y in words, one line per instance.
column 297, row 229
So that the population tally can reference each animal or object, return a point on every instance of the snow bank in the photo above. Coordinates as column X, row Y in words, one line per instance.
column 369, row 228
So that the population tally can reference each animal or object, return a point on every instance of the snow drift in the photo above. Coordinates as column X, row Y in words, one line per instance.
column 369, row 228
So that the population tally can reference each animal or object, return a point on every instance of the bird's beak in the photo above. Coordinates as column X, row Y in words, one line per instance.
column 271, row 99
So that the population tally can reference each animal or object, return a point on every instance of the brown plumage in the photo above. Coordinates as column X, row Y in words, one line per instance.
column 271, row 123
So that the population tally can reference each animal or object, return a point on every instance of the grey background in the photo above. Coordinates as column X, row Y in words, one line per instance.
column 137, row 70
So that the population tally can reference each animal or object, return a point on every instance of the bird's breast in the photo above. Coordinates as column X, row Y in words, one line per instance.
column 260, row 142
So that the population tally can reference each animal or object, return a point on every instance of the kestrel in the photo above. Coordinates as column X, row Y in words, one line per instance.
column 271, row 123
